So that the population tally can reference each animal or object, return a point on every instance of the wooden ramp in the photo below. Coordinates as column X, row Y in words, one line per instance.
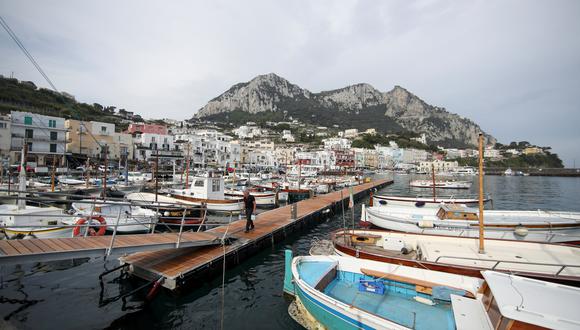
column 26, row 250
column 174, row 265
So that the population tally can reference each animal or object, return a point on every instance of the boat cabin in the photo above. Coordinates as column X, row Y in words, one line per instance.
column 457, row 212
column 210, row 187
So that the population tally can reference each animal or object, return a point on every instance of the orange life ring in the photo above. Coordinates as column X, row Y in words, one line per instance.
column 92, row 231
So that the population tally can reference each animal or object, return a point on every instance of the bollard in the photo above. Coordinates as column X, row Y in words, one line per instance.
column 294, row 211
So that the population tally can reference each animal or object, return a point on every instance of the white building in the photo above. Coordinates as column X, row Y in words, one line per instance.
column 287, row 136
column 323, row 159
column 351, row 133
column 414, row 156
column 490, row 152
column 438, row 165
column 149, row 146
column 5, row 137
column 421, row 139
column 336, row 143
column 208, row 146
column 247, row 132
column 43, row 135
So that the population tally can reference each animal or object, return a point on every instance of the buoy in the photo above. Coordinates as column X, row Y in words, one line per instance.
column 92, row 232
column 521, row 230
column 154, row 290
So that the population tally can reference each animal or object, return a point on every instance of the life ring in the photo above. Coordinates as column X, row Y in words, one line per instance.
column 92, row 231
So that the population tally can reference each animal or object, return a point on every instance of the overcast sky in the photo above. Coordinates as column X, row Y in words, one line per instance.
column 511, row 66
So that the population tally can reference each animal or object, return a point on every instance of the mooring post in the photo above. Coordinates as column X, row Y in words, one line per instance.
column 294, row 211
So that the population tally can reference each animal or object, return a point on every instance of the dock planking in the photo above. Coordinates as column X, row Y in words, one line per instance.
column 14, row 251
column 176, row 266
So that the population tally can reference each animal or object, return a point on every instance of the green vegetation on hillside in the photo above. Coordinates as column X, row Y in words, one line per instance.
column 548, row 160
column 25, row 96
column 403, row 140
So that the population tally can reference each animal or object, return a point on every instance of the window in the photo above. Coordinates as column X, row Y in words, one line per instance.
column 152, row 139
column 53, row 136
column 29, row 146
column 29, row 134
column 103, row 129
column 198, row 183
column 52, row 147
column 52, row 123
column 3, row 125
column 215, row 185
column 27, row 120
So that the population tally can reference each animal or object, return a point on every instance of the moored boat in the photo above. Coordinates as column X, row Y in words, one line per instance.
column 457, row 220
column 551, row 262
column 344, row 293
column 428, row 202
column 209, row 191
column 131, row 219
column 170, row 209
column 440, row 184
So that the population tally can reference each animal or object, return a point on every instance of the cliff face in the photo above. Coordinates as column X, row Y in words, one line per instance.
column 359, row 106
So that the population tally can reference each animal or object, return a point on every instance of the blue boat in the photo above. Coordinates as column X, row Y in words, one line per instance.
column 348, row 293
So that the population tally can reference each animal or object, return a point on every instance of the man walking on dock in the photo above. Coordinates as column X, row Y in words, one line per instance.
column 250, row 206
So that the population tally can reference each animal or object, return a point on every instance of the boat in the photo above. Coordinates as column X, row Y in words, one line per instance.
column 427, row 202
column 34, row 222
column 551, row 262
column 457, row 220
column 449, row 184
column 208, row 190
column 131, row 219
column 263, row 198
column 170, row 209
column 70, row 181
column 465, row 171
column 510, row 172
column 136, row 177
column 344, row 293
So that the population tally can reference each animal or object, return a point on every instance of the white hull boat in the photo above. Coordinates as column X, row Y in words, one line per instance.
column 263, row 199
column 132, row 219
column 209, row 192
column 440, row 184
column 454, row 220
column 43, row 221
column 426, row 202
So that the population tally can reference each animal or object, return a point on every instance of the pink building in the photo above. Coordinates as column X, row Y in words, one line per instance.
column 147, row 128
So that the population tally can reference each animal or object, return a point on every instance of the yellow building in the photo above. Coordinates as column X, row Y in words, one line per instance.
column 89, row 138
column 533, row 151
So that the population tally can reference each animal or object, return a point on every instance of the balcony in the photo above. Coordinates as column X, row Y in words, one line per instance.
column 39, row 138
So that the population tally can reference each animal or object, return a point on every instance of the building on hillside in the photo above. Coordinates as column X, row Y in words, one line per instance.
column 247, row 132
column 490, row 152
column 44, row 137
column 421, row 139
column 414, row 156
column 371, row 131
column 152, row 146
column 371, row 159
column 337, row 143
column 439, row 166
column 5, row 138
column 350, row 133
column 287, row 136
column 147, row 128
column 532, row 151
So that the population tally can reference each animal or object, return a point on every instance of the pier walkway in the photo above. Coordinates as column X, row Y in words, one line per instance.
column 26, row 250
column 177, row 267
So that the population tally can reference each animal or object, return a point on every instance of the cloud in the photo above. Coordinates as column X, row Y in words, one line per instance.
column 511, row 66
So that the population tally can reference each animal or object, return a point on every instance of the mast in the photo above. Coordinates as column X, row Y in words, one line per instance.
column 433, row 178
column 156, row 173
column 481, row 233
column 105, row 174
column 22, row 180
column 187, row 166
column 53, row 174
column 88, row 172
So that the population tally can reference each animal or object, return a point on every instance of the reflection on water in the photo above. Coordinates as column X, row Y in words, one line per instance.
column 67, row 293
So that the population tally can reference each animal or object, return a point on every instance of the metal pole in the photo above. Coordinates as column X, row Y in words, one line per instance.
column 114, row 233
column 180, row 229
column 433, row 178
column 105, row 174
column 343, row 217
column 156, row 173
column 481, row 231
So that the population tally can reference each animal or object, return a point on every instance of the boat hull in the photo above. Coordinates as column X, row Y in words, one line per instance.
column 41, row 233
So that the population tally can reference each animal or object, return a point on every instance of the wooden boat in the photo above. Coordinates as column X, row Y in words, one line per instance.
column 344, row 293
column 170, row 209
column 427, row 202
column 456, row 220
column 551, row 262
column 440, row 184
column 208, row 191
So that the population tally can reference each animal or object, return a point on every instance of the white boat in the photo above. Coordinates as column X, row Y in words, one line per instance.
column 428, row 202
column 132, row 219
column 66, row 180
column 209, row 191
column 459, row 255
column 134, row 177
column 263, row 198
column 455, row 220
column 440, row 184
column 43, row 222
column 344, row 293
column 465, row 171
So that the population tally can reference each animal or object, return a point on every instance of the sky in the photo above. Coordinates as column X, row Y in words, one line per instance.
column 513, row 67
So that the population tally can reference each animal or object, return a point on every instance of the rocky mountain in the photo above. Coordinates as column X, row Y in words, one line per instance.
column 270, row 97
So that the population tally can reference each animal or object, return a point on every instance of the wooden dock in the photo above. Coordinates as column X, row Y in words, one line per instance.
column 179, row 267
column 24, row 250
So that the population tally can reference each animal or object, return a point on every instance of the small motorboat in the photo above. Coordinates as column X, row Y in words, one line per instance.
column 449, row 184
column 263, row 198
column 131, row 219
column 209, row 191
column 171, row 210
column 334, row 292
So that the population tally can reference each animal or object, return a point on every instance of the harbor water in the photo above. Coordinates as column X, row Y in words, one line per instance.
column 66, row 294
